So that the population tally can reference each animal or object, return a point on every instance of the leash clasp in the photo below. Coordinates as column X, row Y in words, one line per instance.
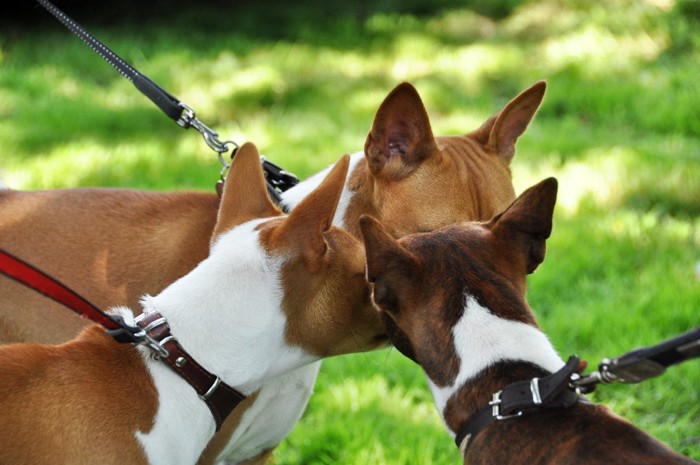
column 142, row 336
column 189, row 119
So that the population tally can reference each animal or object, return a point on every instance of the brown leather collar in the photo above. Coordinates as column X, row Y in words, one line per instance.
column 219, row 397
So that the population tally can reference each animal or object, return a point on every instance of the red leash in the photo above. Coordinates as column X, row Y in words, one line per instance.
column 153, row 331
column 33, row 278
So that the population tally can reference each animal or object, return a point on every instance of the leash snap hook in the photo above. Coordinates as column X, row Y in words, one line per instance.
column 188, row 119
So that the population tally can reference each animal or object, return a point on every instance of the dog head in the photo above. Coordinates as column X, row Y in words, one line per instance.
column 420, row 283
column 418, row 182
column 316, row 270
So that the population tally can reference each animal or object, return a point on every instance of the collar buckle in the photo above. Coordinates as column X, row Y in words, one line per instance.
column 495, row 404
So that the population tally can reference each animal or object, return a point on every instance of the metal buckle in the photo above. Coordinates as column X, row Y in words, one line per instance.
column 496, row 409
column 535, row 390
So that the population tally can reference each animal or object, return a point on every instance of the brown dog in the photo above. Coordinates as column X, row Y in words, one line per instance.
column 115, row 245
column 454, row 302
column 237, row 315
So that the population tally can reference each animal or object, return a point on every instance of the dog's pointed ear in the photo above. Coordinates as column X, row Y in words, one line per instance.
column 526, row 224
column 500, row 132
column 306, row 225
column 390, row 267
column 244, row 195
column 401, row 136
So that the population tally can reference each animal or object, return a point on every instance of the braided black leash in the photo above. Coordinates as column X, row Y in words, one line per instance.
column 278, row 179
column 165, row 101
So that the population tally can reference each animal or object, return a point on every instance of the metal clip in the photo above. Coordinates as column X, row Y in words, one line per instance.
column 143, row 338
column 189, row 119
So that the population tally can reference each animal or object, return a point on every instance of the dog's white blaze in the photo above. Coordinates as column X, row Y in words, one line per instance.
column 482, row 339
column 296, row 194
column 227, row 314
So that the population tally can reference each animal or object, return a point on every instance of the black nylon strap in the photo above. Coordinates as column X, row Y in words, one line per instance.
column 166, row 102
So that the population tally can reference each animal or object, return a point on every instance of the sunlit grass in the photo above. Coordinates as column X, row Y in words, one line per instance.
column 619, row 128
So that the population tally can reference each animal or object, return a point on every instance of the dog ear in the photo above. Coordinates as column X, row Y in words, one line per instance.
column 401, row 137
column 305, row 226
column 390, row 267
column 244, row 196
column 500, row 132
column 526, row 224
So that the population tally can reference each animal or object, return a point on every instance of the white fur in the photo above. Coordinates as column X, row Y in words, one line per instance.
column 482, row 339
column 273, row 415
column 296, row 194
column 183, row 424
column 227, row 314
column 252, row 338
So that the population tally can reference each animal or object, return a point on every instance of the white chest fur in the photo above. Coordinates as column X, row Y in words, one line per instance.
column 482, row 339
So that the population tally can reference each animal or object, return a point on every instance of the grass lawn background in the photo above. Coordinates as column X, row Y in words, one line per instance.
column 619, row 128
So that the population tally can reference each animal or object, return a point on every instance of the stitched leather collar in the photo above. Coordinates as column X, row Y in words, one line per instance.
column 219, row 397
column 520, row 398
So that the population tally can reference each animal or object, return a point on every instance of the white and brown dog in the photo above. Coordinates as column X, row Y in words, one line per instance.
column 454, row 302
column 119, row 244
column 245, row 313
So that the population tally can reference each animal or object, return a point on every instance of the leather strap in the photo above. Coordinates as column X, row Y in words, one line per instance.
column 521, row 398
column 32, row 277
column 219, row 397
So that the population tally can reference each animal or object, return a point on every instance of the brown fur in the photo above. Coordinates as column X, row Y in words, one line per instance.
column 414, row 182
column 71, row 388
column 115, row 245
column 55, row 386
column 419, row 283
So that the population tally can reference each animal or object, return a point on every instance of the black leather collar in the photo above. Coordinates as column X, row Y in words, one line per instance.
column 522, row 398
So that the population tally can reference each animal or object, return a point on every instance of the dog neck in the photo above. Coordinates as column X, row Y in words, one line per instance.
column 492, row 352
column 237, row 333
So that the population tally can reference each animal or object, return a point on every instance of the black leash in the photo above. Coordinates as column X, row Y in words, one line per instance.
column 564, row 388
column 641, row 364
column 278, row 180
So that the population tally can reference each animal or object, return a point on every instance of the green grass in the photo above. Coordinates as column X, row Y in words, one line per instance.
column 619, row 128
